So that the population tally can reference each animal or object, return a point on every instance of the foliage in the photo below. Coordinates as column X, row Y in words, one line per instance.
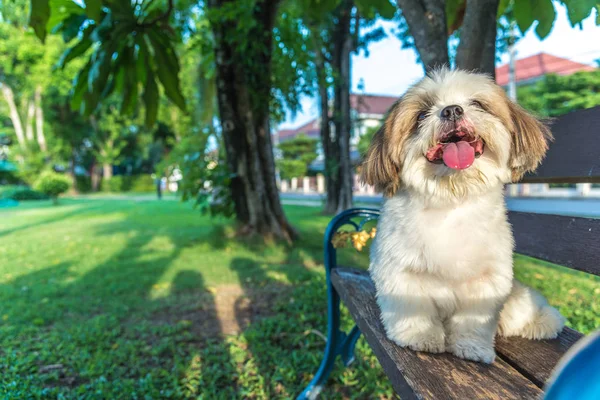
column 127, row 44
column 20, row 193
column 142, row 183
column 365, row 140
column 83, row 183
column 52, row 184
column 297, row 155
column 140, row 305
column 522, row 14
column 556, row 95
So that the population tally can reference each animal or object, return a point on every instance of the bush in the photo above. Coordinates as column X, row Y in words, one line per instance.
column 84, row 184
column 143, row 183
column 129, row 183
column 20, row 193
column 52, row 185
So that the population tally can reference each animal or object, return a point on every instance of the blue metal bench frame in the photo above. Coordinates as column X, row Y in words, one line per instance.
column 339, row 343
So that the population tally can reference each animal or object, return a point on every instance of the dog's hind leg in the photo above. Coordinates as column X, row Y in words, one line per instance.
column 526, row 313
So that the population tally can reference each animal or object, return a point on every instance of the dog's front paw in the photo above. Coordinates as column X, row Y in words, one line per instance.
column 473, row 350
column 430, row 339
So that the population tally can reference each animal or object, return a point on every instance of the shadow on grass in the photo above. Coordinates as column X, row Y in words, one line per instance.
column 120, row 322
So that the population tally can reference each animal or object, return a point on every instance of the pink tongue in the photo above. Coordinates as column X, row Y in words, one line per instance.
column 458, row 155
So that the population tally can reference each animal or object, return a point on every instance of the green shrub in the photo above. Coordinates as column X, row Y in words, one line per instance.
column 84, row 184
column 20, row 193
column 52, row 184
column 143, row 183
column 129, row 183
column 114, row 184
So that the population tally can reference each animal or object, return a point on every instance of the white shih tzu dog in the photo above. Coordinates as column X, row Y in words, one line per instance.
column 442, row 261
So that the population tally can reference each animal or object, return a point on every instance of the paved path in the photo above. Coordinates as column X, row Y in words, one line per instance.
column 575, row 207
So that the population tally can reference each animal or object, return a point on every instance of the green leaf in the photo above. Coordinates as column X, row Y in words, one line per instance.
column 502, row 6
column 80, row 86
column 453, row 7
column 130, row 92
column 523, row 11
column 38, row 17
column 61, row 10
column 598, row 14
column 70, row 26
column 150, row 97
column 371, row 8
column 578, row 10
column 545, row 16
column 93, row 9
column 142, row 61
column 78, row 49
column 167, row 68
column 98, row 76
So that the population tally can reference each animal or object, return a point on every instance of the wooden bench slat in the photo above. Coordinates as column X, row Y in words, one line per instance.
column 536, row 358
column 575, row 154
column 421, row 375
column 569, row 241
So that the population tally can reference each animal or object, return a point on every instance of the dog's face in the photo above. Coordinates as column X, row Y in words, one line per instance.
column 454, row 134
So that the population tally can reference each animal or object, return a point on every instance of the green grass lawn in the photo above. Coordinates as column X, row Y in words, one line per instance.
column 126, row 298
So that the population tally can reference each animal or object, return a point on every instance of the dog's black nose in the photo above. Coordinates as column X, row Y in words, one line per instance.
column 452, row 113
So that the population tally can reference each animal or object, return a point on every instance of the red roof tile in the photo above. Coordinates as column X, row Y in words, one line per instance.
column 538, row 65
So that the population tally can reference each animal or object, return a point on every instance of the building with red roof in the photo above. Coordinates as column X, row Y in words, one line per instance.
column 533, row 68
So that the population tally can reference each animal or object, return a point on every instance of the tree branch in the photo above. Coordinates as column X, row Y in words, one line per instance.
column 477, row 47
column 426, row 20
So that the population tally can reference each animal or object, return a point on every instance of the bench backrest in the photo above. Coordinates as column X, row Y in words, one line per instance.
column 574, row 157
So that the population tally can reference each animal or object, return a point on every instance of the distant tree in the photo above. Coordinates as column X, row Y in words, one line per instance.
column 556, row 95
column 297, row 155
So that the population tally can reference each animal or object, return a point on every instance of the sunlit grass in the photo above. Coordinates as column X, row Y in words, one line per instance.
column 112, row 298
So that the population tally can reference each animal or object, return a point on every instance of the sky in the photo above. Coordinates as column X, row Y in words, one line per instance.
column 390, row 70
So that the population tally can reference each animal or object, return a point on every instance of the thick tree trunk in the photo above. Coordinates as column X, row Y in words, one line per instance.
column 29, row 135
column 477, row 47
column 426, row 21
column 342, row 46
column 39, row 120
column 243, row 82
column 14, row 114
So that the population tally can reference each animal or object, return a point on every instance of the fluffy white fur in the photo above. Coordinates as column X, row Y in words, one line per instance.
column 442, row 259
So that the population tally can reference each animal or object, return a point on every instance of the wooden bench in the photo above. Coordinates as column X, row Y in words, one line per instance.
column 522, row 366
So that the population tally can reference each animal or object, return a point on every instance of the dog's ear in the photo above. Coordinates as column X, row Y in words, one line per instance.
column 530, row 138
column 380, row 167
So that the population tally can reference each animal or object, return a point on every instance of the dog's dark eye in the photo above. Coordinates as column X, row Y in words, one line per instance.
column 422, row 115
column 477, row 104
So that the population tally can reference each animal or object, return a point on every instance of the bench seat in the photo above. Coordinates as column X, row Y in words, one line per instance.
column 519, row 372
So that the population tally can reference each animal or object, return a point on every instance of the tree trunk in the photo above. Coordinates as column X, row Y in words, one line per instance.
column 243, row 81
column 477, row 47
column 29, row 135
column 107, row 171
column 426, row 21
column 94, row 177
column 330, row 156
column 342, row 46
column 39, row 120
column 72, row 171
column 14, row 114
